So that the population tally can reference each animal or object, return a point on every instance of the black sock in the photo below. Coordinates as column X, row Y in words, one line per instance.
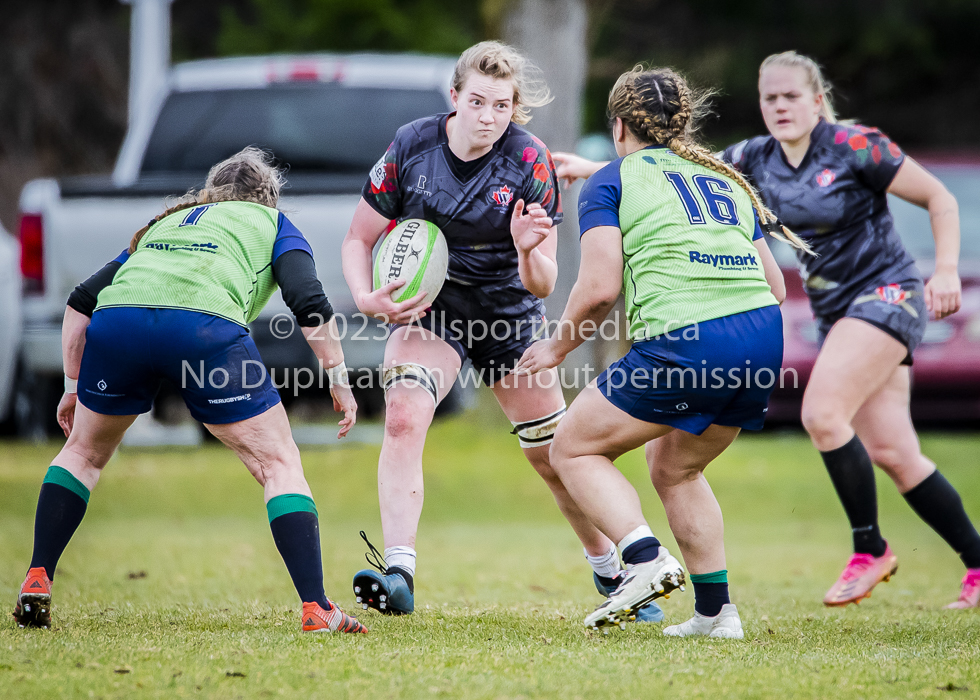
column 710, row 592
column 60, row 509
column 409, row 579
column 937, row 502
column 644, row 550
column 608, row 582
column 297, row 536
column 853, row 477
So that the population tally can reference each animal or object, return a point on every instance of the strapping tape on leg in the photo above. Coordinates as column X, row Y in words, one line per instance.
column 412, row 375
column 535, row 433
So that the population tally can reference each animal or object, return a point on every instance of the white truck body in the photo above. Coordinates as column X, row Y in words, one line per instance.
column 87, row 221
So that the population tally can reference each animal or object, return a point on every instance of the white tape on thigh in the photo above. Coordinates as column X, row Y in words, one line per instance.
column 412, row 374
column 539, row 432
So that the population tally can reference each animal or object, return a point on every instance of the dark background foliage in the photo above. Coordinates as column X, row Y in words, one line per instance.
column 909, row 67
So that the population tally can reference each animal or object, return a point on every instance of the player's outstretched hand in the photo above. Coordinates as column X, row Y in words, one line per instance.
column 379, row 304
column 539, row 357
column 529, row 228
column 66, row 412
column 944, row 293
column 570, row 167
column 343, row 400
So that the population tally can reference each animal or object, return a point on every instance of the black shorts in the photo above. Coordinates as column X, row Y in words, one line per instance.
column 898, row 309
column 492, row 329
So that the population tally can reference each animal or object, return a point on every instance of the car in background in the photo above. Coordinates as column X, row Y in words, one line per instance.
column 946, row 373
column 328, row 117
column 10, row 327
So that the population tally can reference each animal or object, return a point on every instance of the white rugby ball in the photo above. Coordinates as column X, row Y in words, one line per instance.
column 415, row 251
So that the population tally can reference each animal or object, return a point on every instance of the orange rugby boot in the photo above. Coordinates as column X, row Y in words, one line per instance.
column 316, row 619
column 34, row 601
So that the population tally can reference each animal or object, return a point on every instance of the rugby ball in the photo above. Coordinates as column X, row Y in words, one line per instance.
column 415, row 251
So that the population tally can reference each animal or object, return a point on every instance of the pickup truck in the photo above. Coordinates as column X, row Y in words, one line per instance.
column 327, row 117
column 10, row 328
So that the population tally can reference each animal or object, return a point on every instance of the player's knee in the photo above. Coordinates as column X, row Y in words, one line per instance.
column 898, row 463
column 667, row 475
column 540, row 459
column 821, row 420
column 407, row 413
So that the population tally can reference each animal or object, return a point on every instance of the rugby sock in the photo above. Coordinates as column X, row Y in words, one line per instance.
column 937, row 502
column 853, row 477
column 401, row 560
column 296, row 531
column 60, row 509
column 640, row 546
column 606, row 566
column 710, row 592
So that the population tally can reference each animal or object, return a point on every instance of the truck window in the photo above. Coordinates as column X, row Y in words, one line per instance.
column 309, row 126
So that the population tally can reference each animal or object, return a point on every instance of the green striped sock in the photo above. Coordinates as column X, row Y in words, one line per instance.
column 713, row 577
column 289, row 503
column 63, row 477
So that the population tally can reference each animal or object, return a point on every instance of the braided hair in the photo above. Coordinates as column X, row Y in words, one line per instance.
column 659, row 107
column 247, row 176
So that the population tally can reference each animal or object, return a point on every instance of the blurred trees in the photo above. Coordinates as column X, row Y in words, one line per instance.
column 63, row 86
column 909, row 67
column 271, row 26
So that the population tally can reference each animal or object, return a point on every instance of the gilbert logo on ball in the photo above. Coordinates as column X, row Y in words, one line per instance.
column 415, row 251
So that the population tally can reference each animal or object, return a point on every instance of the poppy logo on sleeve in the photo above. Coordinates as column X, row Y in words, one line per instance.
column 826, row 178
column 892, row 294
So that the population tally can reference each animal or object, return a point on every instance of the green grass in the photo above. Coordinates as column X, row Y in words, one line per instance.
column 502, row 585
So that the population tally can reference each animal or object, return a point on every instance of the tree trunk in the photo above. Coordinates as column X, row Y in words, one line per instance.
column 552, row 34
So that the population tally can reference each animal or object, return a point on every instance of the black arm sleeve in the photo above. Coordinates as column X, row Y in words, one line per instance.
column 85, row 296
column 295, row 274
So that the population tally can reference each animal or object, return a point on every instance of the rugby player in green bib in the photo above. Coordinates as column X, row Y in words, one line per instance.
column 175, row 306
column 677, row 232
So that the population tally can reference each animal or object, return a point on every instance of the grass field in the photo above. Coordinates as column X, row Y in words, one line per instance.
column 173, row 588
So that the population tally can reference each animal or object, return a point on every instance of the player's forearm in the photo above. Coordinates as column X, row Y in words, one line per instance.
column 584, row 312
column 325, row 342
column 73, row 341
column 538, row 272
column 944, row 215
column 357, row 263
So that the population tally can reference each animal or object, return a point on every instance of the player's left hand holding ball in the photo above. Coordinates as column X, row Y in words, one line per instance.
column 531, row 228
column 943, row 293
column 539, row 357
column 343, row 400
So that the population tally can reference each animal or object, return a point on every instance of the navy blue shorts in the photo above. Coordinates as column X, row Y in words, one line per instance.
column 492, row 329
column 898, row 309
column 717, row 372
column 212, row 362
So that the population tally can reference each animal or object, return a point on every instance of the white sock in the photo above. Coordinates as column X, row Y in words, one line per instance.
column 605, row 565
column 635, row 536
column 403, row 557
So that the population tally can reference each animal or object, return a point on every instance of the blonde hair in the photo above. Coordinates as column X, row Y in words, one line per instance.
column 814, row 78
column 659, row 107
column 498, row 60
column 247, row 176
